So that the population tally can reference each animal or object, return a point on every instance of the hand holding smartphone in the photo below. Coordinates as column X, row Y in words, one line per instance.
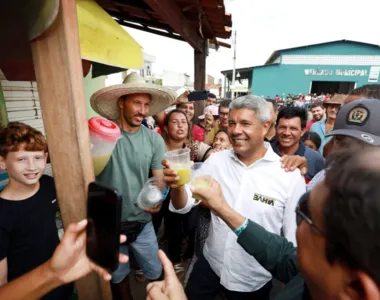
column 103, row 229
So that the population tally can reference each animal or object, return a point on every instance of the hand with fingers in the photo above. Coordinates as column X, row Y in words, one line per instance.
column 292, row 162
column 153, row 210
column 209, row 121
column 210, row 193
column 171, row 177
column 168, row 289
column 70, row 262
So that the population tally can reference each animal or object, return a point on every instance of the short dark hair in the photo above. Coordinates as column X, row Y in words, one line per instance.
column 225, row 104
column 316, row 104
column 211, row 95
column 312, row 136
column 351, row 211
column 292, row 112
column 274, row 103
column 367, row 91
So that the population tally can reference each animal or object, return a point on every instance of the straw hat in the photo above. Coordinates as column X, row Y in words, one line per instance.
column 104, row 101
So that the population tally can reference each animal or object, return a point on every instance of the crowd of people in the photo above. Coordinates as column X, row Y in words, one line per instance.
column 289, row 197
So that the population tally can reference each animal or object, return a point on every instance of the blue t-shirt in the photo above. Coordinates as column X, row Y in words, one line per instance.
column 320, row 129
column 315, row 161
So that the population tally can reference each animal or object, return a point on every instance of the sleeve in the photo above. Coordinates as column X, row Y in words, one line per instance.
column 189, row 205
column 275, row 253
column 198, row 133
column 317, row 179
column 159, row 152
column 289, row 225
column 4, row 243
column 319, row 164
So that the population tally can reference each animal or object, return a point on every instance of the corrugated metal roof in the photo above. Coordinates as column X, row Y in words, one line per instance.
column 277, row 53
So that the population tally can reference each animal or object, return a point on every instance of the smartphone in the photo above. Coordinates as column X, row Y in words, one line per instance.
column 103, row 229
column 198, row 95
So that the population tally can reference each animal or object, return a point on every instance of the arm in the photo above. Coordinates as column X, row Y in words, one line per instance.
column 32, row 285
column 289, row 225
column 69, row 263
column 272, row 251
column 3, row 271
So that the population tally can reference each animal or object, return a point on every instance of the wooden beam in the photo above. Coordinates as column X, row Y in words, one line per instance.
column 199, row 77
column 58, row 68
column 169, row 11
column 151, row 30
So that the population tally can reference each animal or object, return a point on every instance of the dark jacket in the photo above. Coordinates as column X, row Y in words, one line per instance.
column 278, row 256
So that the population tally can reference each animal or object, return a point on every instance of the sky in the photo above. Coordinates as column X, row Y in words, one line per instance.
column 265, row 26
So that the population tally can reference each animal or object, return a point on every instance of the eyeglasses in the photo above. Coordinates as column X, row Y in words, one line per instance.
column 303, row 213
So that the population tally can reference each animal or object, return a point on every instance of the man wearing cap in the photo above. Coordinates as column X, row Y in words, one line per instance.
column 137, row 153
column 209, row 122
column 323, row 127
column 356, row 125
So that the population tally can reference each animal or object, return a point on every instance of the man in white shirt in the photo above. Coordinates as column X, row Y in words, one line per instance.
column 255, row 185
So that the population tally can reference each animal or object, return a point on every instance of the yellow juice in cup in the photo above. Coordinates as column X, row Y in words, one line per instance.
column 199, row 183
column 100, row 162
column 184, row 173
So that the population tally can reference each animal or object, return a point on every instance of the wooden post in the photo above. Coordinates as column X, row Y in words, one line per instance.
column 59, row 74
column 199, row 77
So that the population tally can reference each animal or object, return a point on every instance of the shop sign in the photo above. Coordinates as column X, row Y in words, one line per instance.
column 338, row 72
column 374, row 74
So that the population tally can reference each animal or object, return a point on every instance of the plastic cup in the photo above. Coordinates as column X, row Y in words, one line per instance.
column 179, row 160
column 152, row 193
column 198, row 170
column 104, row 135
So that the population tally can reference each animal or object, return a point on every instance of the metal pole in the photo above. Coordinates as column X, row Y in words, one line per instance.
column 234, row 67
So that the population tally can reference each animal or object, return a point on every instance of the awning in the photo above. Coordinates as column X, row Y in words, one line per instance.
column 103, row 40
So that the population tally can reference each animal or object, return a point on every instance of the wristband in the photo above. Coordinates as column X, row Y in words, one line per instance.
column 240, row 229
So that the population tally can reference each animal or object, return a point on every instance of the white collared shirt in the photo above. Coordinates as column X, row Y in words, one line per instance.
column 263, row 193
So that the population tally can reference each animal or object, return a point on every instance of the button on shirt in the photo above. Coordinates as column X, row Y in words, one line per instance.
column 262, row 192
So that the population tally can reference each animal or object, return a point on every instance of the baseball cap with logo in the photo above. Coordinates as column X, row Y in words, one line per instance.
column 359, row 119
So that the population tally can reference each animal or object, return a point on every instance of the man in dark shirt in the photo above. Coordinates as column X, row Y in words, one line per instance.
column 290, row 126
column 28, row 206
column 338, row 244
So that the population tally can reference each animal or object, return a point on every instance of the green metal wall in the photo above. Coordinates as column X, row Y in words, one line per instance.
column 278, row 79
column 275, row 80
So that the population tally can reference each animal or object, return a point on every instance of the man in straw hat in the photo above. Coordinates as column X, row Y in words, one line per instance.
column 139, row 152
column 323, row 127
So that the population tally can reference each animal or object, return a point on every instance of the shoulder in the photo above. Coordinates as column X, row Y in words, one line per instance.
column 310, row 153
column 221, row 157
column 153, row 136
column 317, row 124
column 47, row 185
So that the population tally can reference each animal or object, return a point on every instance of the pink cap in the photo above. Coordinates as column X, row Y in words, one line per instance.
column 106, row 128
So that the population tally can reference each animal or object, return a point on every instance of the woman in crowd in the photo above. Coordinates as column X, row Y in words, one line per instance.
column 311, row 140
column 197, row 132
column 177, row 135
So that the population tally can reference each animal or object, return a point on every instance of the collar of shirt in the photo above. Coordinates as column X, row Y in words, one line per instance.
column 300, row 151
column 270, row 155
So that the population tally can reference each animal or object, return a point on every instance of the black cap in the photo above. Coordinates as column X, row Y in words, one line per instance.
column 359, row 119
